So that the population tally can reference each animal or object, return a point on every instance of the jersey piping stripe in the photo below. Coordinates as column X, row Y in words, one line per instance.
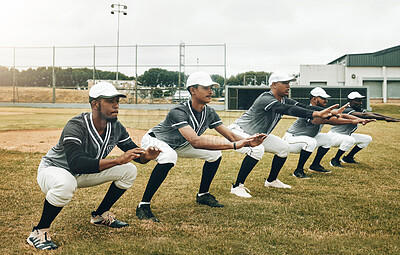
column 93, row 137
column 176, row 124
column 274, row 122
column 269, row 105
column 106, row 139
column 124, row 139
column 72, row 138
column 215, row 122
column 203, row 118
column 94, row 129
column 193, row 117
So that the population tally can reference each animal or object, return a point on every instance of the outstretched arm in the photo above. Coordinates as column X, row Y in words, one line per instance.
column 373, row 115
column 215, row 143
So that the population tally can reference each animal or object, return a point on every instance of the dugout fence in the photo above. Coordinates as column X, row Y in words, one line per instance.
column 242, row 97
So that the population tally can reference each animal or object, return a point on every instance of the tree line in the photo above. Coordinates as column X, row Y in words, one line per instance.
column 78, row 77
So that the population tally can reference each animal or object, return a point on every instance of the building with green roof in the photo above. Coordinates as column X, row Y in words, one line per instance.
column 378, row 71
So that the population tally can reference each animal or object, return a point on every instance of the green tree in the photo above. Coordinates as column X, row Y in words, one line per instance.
column 158, row 77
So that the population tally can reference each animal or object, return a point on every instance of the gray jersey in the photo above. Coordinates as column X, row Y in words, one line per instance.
column 347, row 129
column 182, row 115
column 303, row 126
column 266, row 111
column 82, row 131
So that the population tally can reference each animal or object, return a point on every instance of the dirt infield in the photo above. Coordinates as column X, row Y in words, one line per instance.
column 42, row 140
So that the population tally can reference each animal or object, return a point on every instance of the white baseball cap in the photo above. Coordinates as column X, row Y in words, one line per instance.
column 319, row 92
column 278, row 76
column 354, row 95
column 200, row 78
column 104, row 90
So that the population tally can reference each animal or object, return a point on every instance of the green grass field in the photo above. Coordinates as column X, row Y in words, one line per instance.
column 355, row 210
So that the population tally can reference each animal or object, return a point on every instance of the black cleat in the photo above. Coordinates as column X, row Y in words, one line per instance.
column 143, row 212
column 299, row 173
column 318, row 169
column 107, row 219
column 41, row 240
column 208, row 199
column 335, row 163
column 349, row 160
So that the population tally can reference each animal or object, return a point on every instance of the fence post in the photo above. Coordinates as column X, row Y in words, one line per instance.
column 136, row 81
column 94, row 65
column 54, row 76
column 14, row 76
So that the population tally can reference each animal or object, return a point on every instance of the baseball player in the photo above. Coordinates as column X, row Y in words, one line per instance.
column 179, row 135
column 262, row 117
column 304, row 136
column 79, row 160
column 344, row 136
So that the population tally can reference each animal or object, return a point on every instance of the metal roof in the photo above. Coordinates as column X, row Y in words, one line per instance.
column 386, row 57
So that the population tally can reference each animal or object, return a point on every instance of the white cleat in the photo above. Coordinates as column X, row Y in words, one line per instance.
column 277, row 184
column 240, row 191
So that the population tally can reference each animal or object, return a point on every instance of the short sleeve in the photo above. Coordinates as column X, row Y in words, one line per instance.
column 215, row 120
column 269, row 103
column 178, row 118
column 73, row 132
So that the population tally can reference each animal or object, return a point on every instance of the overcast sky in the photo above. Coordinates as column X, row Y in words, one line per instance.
column 260, row 35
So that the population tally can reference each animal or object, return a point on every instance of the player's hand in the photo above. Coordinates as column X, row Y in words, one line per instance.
column 251, row 141
column 338, row 112
column 392, row 120
column 325, row 113
column 256, row 140
column 151, row 153
column 129, row 155
column 365, row 121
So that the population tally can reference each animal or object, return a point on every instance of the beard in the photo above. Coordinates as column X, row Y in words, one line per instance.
column 106, row 118
column 111, row 119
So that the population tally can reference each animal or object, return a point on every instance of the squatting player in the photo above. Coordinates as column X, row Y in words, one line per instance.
column 78, row 161
column 180, row 135
column 304, row 136
column 344, row 136
column 262, row 117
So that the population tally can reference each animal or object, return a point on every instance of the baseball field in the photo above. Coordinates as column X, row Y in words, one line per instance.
column 354, row 210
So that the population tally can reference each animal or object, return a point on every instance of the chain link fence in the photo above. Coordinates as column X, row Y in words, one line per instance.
column 64, row 74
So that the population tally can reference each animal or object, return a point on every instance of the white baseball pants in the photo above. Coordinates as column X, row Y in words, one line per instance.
column 59, row 184
column 345, row 142
column 272, row 144
column 307, row 143
column 169, row 155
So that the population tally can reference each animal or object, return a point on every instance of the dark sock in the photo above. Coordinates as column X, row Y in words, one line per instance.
column 353, row 152
column 209, row 170
column 247, row 165
column 277, row 164
column 304, row 155
column 113, row 194
column 339, row 154
column 320, row 154
column 157, row 177
column 49, row 213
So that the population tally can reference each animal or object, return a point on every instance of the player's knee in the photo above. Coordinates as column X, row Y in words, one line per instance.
column 256, row 152
column 62, row 192
column 169, row 156
column 128, row 176
column 283, row 150
column 213, row 156
column 368, row 139
column 310, row 145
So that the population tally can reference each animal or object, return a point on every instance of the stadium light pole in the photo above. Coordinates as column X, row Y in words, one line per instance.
column 116, row 9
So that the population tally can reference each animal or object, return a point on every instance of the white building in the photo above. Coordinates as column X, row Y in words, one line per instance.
column 379, row 71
